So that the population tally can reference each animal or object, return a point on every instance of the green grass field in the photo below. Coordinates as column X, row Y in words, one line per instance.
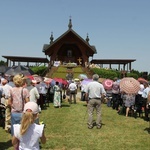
column 66, row 129
column 61, row 72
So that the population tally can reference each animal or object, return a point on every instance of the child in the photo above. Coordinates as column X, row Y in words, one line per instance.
column 27, row 134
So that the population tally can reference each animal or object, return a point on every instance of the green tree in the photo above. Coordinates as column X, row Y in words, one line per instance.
column 3, row 63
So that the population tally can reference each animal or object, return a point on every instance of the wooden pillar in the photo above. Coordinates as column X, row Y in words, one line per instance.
column 124, row 66
column 109, row 66
column 7, row 63
column 130, row 66
column 119, row 67
column 27, row 64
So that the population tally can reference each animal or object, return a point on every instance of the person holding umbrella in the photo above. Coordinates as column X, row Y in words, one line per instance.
column 129, row 88
column 129, row 102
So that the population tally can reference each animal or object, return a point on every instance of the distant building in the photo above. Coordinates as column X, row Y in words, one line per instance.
column 69, row 47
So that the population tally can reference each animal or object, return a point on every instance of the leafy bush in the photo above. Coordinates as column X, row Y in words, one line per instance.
column 134, row 75
column 103, row 73
column 3, row 63
column 40, row 70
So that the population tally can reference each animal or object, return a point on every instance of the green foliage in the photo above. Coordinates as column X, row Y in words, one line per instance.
column 134, row 75
column 78, row 69
column 61, row 69
column 40, row 70
column 108, row 74
column 66, row 129
column 3, row 63
column 139, row 74
column 62, row 72
column 59, row 75
column 103, row 73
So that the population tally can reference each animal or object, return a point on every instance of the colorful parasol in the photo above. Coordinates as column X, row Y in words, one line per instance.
column 129, row 85
column 86, row 81
column 108, row 84
column 142, row 80
column 82, row 76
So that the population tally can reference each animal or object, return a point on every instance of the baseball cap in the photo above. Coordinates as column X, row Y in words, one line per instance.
column 31, row 107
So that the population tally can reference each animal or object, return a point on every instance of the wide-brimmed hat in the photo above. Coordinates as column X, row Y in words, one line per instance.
column 34, row 81
column 31, row 107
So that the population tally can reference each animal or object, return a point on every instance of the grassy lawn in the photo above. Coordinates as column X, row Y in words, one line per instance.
column 66, row 129
column 62, row 71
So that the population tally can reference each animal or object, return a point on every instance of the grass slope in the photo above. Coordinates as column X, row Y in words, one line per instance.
column 66, row 129
column 61, row 72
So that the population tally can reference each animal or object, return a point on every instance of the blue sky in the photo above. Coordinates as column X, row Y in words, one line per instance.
column 119, row 29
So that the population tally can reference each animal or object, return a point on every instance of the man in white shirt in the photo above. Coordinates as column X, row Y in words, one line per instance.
column 94, row 93
column 73, row 91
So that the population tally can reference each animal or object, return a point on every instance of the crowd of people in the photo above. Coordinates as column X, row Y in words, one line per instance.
column 18, row 90
column 23, row 98
column 127, row 103
column 20, row 98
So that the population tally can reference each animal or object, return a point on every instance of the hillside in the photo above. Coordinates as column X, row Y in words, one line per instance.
column 62, row 71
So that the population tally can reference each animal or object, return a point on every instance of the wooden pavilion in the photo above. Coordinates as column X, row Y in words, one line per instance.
column 12, row 60
column 70, row 47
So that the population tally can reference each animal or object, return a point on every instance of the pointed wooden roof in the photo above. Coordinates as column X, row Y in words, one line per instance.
column 47, row 48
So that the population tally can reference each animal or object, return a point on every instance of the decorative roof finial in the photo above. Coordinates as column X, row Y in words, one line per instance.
column 51, row 38
column 87, row 38
column 70, row 23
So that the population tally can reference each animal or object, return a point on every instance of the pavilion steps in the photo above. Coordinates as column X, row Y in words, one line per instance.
column 61, row 72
